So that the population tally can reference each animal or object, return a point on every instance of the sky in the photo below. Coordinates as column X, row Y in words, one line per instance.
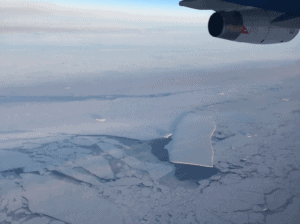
column 50, row 40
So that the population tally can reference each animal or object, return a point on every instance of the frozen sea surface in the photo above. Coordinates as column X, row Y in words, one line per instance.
column 192, row 140
column 222, row 148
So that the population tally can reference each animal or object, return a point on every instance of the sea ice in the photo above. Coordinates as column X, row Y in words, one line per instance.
column 38, row 220
column 86, row 141
column 191, row 142
column 70, row 203
column 11, row 160
column 79, row 176
column 134, row 163
column 112, row 150
column 96, row 165
column 157, row 170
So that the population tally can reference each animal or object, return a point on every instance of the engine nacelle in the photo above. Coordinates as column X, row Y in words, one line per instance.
column 250, row 26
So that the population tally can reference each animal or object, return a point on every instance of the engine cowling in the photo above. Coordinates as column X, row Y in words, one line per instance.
column 250, row 26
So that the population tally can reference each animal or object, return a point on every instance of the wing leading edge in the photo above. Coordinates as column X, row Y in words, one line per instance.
column 216, row 5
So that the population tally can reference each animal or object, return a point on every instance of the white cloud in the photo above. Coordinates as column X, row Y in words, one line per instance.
column 41, row 16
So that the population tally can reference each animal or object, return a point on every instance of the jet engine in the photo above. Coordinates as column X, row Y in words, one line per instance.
column 249, row 26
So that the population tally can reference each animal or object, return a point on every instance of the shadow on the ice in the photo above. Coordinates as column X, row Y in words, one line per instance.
column 182, row 171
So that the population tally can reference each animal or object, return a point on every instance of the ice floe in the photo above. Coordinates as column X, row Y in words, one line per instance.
column 11, row 160
column 96, row 165
column 191, row 142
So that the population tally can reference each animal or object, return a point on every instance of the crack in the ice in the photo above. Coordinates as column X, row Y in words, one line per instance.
column 101, row 179
column 67, row 178
column 45, row 99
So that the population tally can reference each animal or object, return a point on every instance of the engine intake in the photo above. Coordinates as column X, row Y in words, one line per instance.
column 250, row 26
column 227, row 25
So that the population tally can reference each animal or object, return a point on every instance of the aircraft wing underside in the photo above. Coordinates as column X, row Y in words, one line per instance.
column 284, row 20
column 250, row 21
column 216, row 5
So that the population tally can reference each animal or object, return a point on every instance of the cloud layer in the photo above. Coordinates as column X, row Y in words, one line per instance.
column 38, row 16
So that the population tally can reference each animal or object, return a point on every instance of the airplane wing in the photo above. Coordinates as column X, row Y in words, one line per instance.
column 251, row 21
column 287, row 20
column 216, row 5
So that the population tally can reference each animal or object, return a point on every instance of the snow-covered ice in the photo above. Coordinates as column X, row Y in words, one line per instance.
column 191, row 142
column 11, row 160
column 96, row 165
column 70, row 203
column 60, row 162
column 111, row 150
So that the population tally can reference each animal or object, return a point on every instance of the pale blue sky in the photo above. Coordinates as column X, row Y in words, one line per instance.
column 50, row 40
column 167, row 4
